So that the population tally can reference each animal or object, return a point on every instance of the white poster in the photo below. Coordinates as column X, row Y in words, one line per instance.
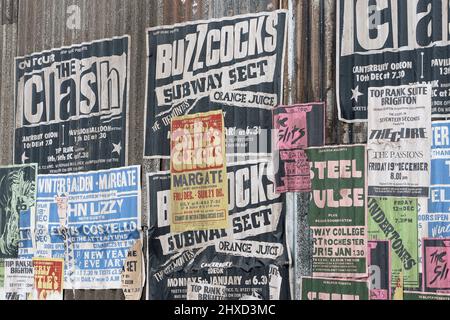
column 399, row 140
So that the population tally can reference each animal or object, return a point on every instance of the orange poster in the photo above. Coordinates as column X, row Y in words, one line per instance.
column 48, row 279
column 199, row 185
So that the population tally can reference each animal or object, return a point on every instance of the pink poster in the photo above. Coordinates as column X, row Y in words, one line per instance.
column 293, row 135
column 436, row 274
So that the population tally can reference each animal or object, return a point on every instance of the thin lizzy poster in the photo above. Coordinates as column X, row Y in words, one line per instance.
column 72, row 107
column 248, row 260
column 234, row 64
column 391, row 43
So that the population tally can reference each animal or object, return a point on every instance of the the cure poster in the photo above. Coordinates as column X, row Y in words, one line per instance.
column 379, row 270
column 48, row 279
column 199, row 192
column 337, row 211
column 437, row 218
column 334, row 289
column 234, row 64
column 248, row 260
column 436, row 265
column 72, row 106
column 395, row 219
column 391, row 43
column 90, row 220
column 17, row 200
column 296, row 128
column 399, row 141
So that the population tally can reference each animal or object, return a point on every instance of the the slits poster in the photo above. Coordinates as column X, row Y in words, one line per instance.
column 17, row 201
column 399, row 138
column 437, row 219
column 436, row 265
column 248, row 260
column 395, row 219
column 337, row 211
column 334, row 289
column 72, row 107
column 234, row 64
column 391, row 43
column 48, row 279
column 199, row 189
column 379, row 270
column 296, row 128
column 90, row 220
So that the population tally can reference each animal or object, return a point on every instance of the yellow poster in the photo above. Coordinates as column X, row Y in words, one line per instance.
column 199, row 184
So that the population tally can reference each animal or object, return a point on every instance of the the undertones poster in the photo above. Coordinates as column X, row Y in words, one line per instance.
column 337, row 211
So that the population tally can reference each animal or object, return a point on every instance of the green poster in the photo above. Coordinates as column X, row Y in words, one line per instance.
column 337, row 212
column 410, row 295
column 332, row 289
column 395, row 219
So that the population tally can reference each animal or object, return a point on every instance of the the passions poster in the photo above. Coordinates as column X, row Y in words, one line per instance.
column 233, row 64
column 199, row 192
column 296, row 128
column 72, row 107
column 399, row 138
column 337, row 211
column 391, row 43
column 250, row 258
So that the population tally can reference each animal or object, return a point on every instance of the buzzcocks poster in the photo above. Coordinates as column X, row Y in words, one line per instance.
column 337, row 211
column 248, row 260
column 234, row 64
column 199, row 189
column 391, row 43
column 72, row 106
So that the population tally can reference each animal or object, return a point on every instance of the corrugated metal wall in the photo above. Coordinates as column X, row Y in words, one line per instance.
column 28, row 26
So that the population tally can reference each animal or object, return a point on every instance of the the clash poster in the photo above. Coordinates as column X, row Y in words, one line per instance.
column 72, row 107
column 199, row 184
column 248, row 260
column 399, row 138
column 48, row 279
column 391, row 43
column 437, row 218
column 334, row 289
column 17, row 200
column 436, row 265
column 234, row 64
column 337, row 211
column 89, row 219
column 395, row 219
column 379, row 270
column 296, row 128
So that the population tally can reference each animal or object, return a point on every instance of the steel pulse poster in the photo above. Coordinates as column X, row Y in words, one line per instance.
column 48, row 279
column 90, row 220
column 234, row 64
column 248, row 260
column 17, row 200
column 395, row 219
column 337, row 211
column 399, row 141
column 437, row 218
column 436, row 264
column 391, row 43
column 72, row 107
column 199, row 190
column 334, row 289
column 296, row 128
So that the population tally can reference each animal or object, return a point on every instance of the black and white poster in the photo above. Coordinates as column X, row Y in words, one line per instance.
column 399, row 141
column 391, row 43
column 250, row 260
column 233, row 64
column 72, row 107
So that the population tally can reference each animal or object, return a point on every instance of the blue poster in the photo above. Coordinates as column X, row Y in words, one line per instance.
column 91, row 220
column 438, row 217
